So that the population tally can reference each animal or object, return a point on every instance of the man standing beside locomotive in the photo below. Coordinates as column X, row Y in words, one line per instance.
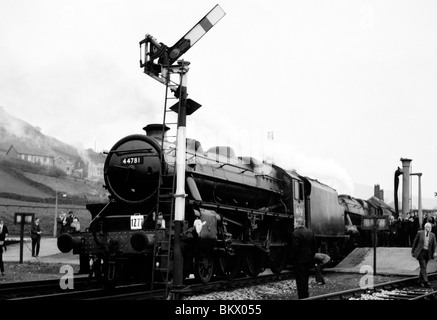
column 424, row 249
column 35, row 235
column 3, row 234
column 303, row 249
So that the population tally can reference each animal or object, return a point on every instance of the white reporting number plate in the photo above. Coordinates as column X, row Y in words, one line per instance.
column 136, row 222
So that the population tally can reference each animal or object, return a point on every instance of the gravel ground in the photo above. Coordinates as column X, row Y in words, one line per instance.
column 286, row 290
column 26, row 271
column 282, row 290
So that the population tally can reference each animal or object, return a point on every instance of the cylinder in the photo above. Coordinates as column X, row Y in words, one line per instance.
column 406, row 163
column 66, row 243
column 141, row 241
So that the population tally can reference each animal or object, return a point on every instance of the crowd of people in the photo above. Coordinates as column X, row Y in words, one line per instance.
column 68, row 223
column 403, row 230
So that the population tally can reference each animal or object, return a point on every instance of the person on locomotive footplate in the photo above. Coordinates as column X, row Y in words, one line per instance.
column 161, row 222
column 424, row 249
column 157, row 220
column 303, row 249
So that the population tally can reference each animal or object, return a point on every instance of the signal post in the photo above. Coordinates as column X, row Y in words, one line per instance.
column 180, row 175
column 157, row 60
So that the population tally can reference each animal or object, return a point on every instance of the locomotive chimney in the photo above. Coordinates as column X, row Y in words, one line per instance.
column 155, row 131
column 405, row 186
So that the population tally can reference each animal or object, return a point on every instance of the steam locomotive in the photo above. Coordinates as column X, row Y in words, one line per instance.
column 239, row 213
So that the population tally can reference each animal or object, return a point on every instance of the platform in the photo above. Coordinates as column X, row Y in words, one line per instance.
column 389, row 261
column 49, row 253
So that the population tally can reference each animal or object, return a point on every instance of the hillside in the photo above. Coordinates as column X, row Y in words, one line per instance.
column 22, row 181
column 24, row 191
column 32, row 187
column 24, row 136
column 12, row 185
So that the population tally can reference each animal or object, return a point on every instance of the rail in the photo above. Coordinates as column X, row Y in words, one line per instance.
column 403, row 289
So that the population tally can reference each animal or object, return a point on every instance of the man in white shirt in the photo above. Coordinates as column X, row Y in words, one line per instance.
column 424, row 249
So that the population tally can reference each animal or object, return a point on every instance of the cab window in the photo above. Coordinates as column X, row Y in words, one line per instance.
column 298, row 190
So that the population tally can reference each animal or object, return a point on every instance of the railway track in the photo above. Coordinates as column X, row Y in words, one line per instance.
column 225, row 285
column 403, row 289
column 84, row 290
column 22, row 290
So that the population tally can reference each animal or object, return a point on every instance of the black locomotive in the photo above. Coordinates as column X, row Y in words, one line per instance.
column 239, row 213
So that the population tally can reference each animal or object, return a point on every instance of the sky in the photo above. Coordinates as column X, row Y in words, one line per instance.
column 347, row 87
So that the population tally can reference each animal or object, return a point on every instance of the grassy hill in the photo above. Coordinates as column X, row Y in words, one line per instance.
column 26, row 187
column 39, row 183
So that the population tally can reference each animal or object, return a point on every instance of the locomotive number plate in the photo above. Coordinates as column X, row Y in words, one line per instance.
column 132, row 160
column 136, row 222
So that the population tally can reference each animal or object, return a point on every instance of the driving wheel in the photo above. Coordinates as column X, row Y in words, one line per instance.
column 254, row 261
column 228, row 265
column 204, row 266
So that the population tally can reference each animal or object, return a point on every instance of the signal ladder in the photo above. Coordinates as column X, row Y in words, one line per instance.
column 163, row 247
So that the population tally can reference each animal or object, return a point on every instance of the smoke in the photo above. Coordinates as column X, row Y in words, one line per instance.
column 267, row 145
column 14, row 126
column 83, row 154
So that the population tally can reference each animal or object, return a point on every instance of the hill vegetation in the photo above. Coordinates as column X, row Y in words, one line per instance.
column 38, row 183
column 27, row 187
column 40, row 189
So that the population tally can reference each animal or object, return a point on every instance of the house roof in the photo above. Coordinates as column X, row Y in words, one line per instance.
column 385, row 207
column 29, row 153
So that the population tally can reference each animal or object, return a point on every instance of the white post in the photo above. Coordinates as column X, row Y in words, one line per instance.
column 180, row 175
column 181, row 147
column 419, row 211
column 420, row 214
column 56, row 216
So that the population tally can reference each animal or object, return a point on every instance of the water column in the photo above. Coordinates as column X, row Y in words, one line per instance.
column 419, row 211
column 406, row 163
